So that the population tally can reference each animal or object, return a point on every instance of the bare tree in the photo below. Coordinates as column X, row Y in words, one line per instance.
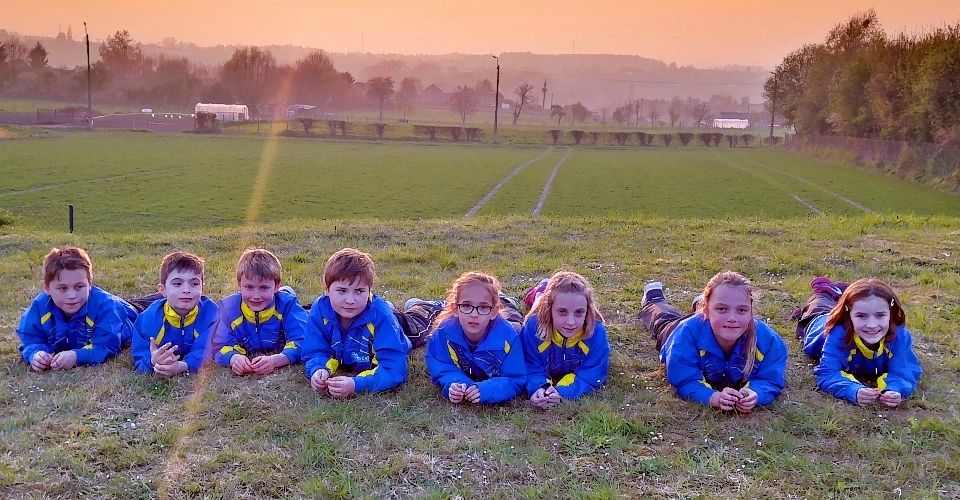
column 523, row 98
column 410, row 88
column 556, row 111
column 654, row 113
column 699, row 112
column 673, row 112
column 464, row 101
column 380, row 88
column 248, row 74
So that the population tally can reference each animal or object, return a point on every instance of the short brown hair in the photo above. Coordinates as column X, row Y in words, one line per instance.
column 66, row 257
column 258, row 263
column 180, row 261
column 349, row 264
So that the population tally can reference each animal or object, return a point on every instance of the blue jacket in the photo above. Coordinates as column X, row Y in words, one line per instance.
column 373, row 346
column 495, row 366
column 845, row 369
column 697, row 366
column 814, row 336
column 575, row 366
column 95, row 332
column 191, row 333
column 280, row 327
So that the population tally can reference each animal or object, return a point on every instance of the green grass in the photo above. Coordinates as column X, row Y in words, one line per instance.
column 119, row 181
column 62, row 435
column 621, row 217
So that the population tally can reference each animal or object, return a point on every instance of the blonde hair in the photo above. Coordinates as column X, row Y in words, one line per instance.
column 859, row 290
column 564, row 282
column 453, row 295
column 258, row 263
column 731, row 278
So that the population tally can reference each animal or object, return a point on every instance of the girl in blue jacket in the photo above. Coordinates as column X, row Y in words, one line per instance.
column 564, row 342
column 867, row 351
column 474, row 355
column 722, row 355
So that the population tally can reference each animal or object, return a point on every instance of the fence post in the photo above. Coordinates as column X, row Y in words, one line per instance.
column 70, row 217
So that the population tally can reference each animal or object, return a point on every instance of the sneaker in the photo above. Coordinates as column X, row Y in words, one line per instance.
column 696, row 302
column 826, row 286
column 433, row 304
column 652, row 292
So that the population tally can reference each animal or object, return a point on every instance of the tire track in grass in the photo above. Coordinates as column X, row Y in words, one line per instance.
column 813, row 184
column 503, row 182
column 546, row 186
column 773, row 183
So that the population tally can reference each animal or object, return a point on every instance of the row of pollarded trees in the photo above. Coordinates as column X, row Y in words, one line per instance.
column 646, row 139
column 861, row 83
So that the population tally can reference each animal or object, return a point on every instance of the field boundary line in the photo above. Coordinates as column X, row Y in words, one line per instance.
column 809, row 205
column 503, row 182
column 47, row 187
column 814, row 184
column 546, row 186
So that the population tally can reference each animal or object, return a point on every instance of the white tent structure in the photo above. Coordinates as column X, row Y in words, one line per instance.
column 225, row 112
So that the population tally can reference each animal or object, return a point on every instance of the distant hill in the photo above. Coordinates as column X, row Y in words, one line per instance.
column 595, row 79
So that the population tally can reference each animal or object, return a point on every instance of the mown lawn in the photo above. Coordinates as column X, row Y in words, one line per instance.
column 106, row 431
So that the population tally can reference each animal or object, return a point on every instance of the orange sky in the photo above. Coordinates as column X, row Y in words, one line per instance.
column 709, row 33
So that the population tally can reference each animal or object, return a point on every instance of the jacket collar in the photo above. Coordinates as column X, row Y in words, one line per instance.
column 174, row 318
column 261, row 316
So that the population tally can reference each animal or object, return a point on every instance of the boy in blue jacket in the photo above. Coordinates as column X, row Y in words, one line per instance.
column 475, row 355
column 353, row 330
column 173, row 334
column 71, row 322
column 262, row 327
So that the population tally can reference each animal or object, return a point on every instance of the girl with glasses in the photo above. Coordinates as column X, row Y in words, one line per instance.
column 475, row 355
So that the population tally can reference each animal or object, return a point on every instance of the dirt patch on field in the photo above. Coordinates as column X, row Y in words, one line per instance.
column 5, row 134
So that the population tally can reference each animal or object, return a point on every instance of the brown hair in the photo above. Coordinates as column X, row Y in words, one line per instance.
column 348, row 264
column 861, row 289
column 180, row 261
column 564, row 282
column 66, row 257
column 258, row 263
column 453, row 295
column 732, row 278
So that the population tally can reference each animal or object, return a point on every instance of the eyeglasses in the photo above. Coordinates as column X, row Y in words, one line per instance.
column 483, row 309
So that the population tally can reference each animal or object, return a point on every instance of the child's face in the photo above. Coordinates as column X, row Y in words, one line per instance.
column 569, row 312
column 475, row 324
column 730, row 312
column 69, row 290
column 256, row 292
column 182, row 290
column 871, row 318
column 348, row 297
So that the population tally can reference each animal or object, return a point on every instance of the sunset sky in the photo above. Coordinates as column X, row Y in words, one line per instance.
column 683, row 31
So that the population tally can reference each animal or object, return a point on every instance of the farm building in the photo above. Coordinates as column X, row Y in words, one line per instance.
column 225, row 112
column 729, row 119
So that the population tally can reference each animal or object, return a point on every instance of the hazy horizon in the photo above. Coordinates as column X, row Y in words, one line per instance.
column 684, row 32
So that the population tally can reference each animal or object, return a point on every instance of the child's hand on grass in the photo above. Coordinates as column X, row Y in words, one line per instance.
column 726, row 399
column 472, row 394
column 747, row 401
column 266, row 364
column 170, row 369
column 891, row 399
column 64, row 360
column 41, row 361
column 240, row 364
column 319, row 379
column 456, row 392
column 163, row 355
column 341, row 387
column 540, row 399
column 868, row 395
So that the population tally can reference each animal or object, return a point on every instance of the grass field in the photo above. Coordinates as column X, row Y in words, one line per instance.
column 620, row 217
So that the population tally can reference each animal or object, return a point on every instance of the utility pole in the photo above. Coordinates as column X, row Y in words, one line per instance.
column 496, row 100
column 89, row 94
column 544, row 103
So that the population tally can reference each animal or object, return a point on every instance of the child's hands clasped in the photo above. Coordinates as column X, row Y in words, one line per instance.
column 41, row 361
column 891, row 399
column 267, row 363
column 64, row 360
column 459, row 393
column 545, row 397
column 726, row 399
column 341, row 387
column 319, row 379
column 868, row 395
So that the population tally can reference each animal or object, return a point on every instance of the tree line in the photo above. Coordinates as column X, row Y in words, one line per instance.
column 861, row 83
